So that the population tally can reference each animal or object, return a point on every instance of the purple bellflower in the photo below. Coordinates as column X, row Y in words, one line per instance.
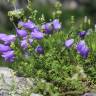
column 48, row 28
column 29, row 25
column 36, row 34
column 4, row 48
column 56, row 24
column 69, row 43
column 8, row 56
column 39, row 49
column 21, row 33
column 82, row 49
column 9, row 39
column 82, row 34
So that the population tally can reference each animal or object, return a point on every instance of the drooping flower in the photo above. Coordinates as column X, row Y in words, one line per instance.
column 11, row 38
column 36, row 34
column 56, row 24
column 4, row 48
column 82, row 49
column 84, row 52
column 8, row 56
column 7, row 39
column 82, row 34
column 69, row 43
column 24, row 44
column 21, row 33
column 79, row 45
column 47, row 28
column 39, row 49
column 29, row 25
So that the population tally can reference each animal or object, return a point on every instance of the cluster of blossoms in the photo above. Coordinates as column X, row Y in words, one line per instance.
column 5, row 50
column 26, row 34
column 30, row 32
column 81, row 46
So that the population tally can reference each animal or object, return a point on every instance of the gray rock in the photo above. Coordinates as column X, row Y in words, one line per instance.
column 89, row 94
column 12, row 85
column 33, row 94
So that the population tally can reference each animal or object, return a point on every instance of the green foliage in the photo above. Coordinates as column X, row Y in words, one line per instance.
column 62, row 68
column 47, row 89
column 58, row 66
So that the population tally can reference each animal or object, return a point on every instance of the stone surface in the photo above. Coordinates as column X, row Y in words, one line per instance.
column 35, row 94
column 89, row 94
column 12, row 85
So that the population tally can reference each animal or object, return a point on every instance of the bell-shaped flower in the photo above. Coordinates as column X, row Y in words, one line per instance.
column 82, row 49
column 56, row 24
column 69, row 43
column 8, row 56
column 7, row 39
column 4, row 48
column 29, row 25
column 21, row 33
column 11, row 38
column 47, row 28
column 39, row 49
column 79, row 45
column 82, row 34
column 36, row 34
